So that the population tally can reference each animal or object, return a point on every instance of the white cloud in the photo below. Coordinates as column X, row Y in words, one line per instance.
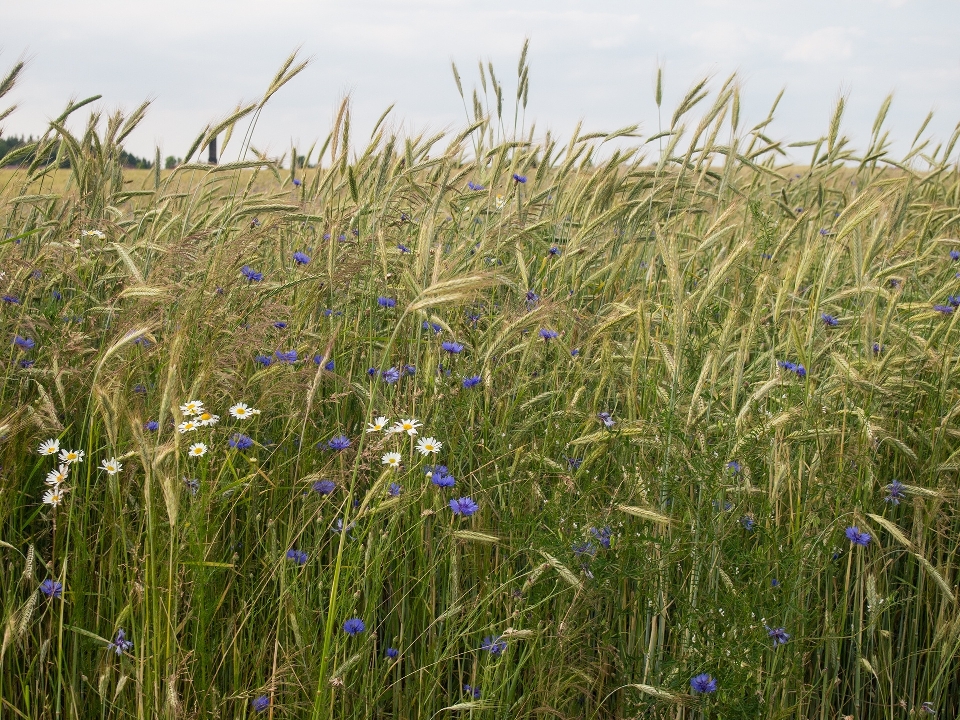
column 824, row 45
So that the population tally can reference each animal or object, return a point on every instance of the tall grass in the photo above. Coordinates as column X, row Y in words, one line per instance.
column 686, row 279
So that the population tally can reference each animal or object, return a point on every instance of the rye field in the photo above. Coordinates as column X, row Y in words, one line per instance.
column 482, row 424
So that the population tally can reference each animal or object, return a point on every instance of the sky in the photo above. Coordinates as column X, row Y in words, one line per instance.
column 593, row 61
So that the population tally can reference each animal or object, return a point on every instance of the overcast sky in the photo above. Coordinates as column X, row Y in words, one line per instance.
column 593, row 60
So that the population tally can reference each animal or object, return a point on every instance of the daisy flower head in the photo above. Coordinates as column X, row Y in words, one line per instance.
column 187, row 426
column 71, row 456
column 54, row 496
column 242, row 411
column 111, row 466
column 194, row 407
column 208, row 419
column 197, row 450
column 378, row 424
column 391, row 459
column 49, row 447
column 426, row 446
column 409, row 426
column 57, row 477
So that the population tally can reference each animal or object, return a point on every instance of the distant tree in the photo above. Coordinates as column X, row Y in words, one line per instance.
column 171, row 162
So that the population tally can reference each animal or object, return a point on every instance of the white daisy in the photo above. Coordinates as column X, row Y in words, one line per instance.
column 208, row 419
column 49, row 447
column 197, row 450
column 71, row 456
column 242, row 411
column 188, row 425
column 377, row 425
column 93, row 233
column 425, row 446
column 408, row 426
column 54, row 496
column 58, row 476
column 392, row 459
column 194, row 407
column 111, row 466
column 500, row 202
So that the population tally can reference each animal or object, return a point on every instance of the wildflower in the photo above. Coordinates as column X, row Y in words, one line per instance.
column 372, row 372
column 409, row 426
column 519, row 178
column 51, row 588
column 298, row 556
column 703, row 683
column 392, row 653
column 475, row 691
column 120, row 644
column 829, row 320
column 390, row 376
column 354, row 626
column 11, row 299
column 608, row 421
column 955, row 255
column 878, row 348
column 953, row 300
column 776, row 583
column 532, row 298
column 297, row 182
column 23, row 342
column 944, row 309
column 391, row 459
column 187, row 425
column 56, row 295
column 260, row 703
column 264, row 360
column 547, row 334
column 394, row 490
column 454, row 348
column 410, row 369
column 793, row 367
column 250, row 274
column 378, row 424
column 240, row 442
column 824, row 231
column 49, row 447
column 194, row 407
column 151, row 425
column 472, row 381
column 197, row 450
column 778, row 635
column 584, row 549
column 27, row 363
column 280, row 325
column 301, row 258
column 495, row 645
column 58, row 477
column 93, row 233
column 473, row 319
column 242, row 411
column 603, row 536
column 574, row 463
column 928, row 708
column 463, row 506
column 193, row 485
column 386, row 302
column 442, row 479
column 426, row 446
column 748, row 522
column 325, row 487
column 437, row 329
column 54, row 496
column 554, row 251
column 71, row 456
column 734, row 466
column 475, row 186
column 856, row 537
column 895, row 493
column 289, row 356
column 403, row 248
column 111, row 466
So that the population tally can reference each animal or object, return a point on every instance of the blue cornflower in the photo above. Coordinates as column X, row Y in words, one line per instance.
column 554, row 250
column 475, row 186
column 437, row 329
column 392, row 653
column 766, row 256
column 290, row 356
column 56, row 294
column 120, row 644
column 264, row 360
column 326, row 236
column 260, row 703
column 748, row 522
column 472, row 381
column 301, row 258
column 410, row 369
column 824, row 231
column 372, row 372
column 473, row 319
column 193, row 485
column 354, row 626
column 878, row 348
column 532, row 298
column 298, row 556
column 793, row 367
column 703, row 683
column 403, row 248
column 953, row 300
column 734, row 466
column 799, row 210
column 575, row 352
column 574, row 463
column 895, row 492
column 894, row 282
column 394, row 490
column 829, row 320
column 955, row 255
column 23, row 342
column 429, row 470
column 297, row 182
column 776, row 583
column 945, row 309
column 602, row 535
column 250, row 274
column 11, row 299
column 324, row 487
column 584, row 548
column 280, row 325
column 151, row 425
column 386, row 302
column 240, row 442
column 454, row 348
column 475, row 691
column 779, row 635
column 519, row 178
column 142, row 342
column 494, row 644
column 51, row 588
column 442, row 479
column 856, row 537
column 548, row 334
column 463, row 506
column 30, row 363
column 390, row 375
column 608, row 421
column 356, row 232
column 340, row 442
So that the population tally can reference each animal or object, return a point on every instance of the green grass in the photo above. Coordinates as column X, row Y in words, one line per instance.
column 686, row 272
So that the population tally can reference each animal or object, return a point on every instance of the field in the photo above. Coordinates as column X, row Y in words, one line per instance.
column 681, row 426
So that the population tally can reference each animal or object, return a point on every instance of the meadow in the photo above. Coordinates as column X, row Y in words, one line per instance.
column 482, row 424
